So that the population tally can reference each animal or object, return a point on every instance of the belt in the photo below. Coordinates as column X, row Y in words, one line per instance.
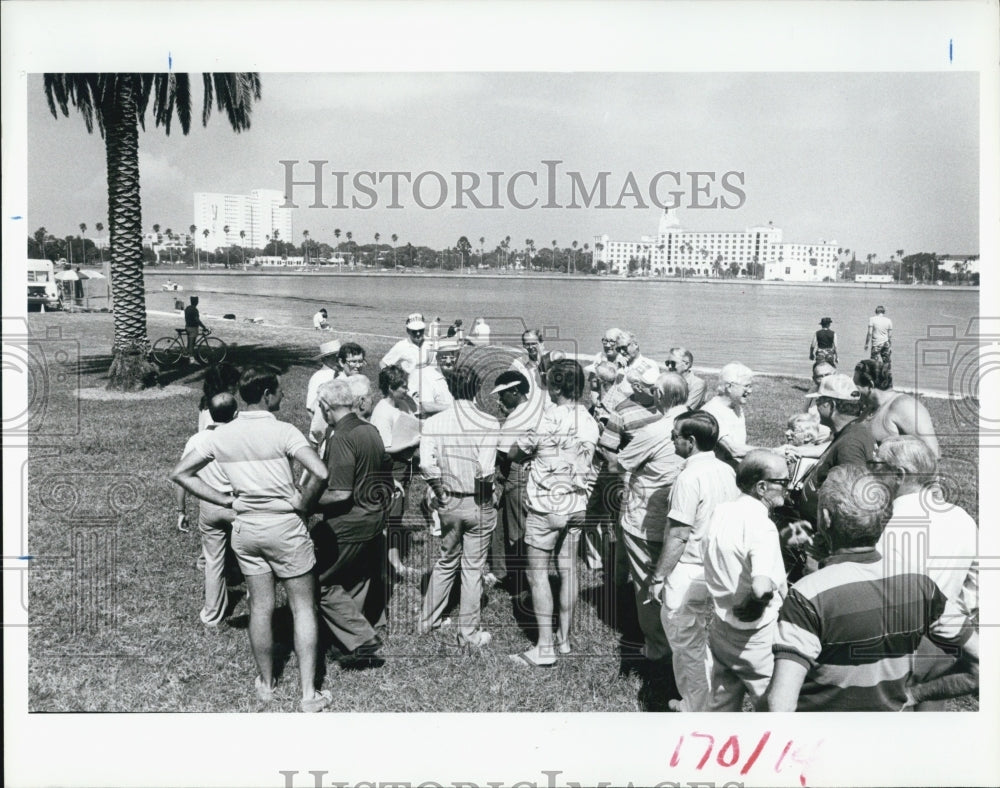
column 451, row 494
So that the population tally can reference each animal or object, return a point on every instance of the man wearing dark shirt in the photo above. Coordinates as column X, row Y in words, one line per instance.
column 193, row 324
column 838, row 401
column 350, row 546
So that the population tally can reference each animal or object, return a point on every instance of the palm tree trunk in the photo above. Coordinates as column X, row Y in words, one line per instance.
column 130, row 369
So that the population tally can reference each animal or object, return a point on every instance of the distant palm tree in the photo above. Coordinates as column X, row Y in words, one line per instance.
column 899, row 253
column 336, row 234
column 156, row 229
column 377, row 236
column 118, row 103
column 206, row 233
column 100, row 249
column 193, row 229
column 395, row 238
column 553, row 262
column 83, row 244
column 482, row 240
column 274, row 237
column 243, row 250
column 574, row 256
column 305, row 245
column 225, row 229
column 170, row 244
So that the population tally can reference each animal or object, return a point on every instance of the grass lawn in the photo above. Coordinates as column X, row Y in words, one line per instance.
column 114, row 592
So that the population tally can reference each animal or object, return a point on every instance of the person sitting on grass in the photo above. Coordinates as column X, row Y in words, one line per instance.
column 254, row 451
column 320, row 322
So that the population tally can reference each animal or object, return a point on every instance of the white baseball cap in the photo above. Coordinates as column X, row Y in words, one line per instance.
column 415, row 322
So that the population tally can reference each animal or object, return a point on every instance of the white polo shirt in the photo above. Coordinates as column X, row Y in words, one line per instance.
column 740, row 543
column 704, row 483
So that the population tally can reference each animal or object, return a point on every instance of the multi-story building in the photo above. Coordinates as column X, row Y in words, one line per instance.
column 258, row 215
column 757, row 251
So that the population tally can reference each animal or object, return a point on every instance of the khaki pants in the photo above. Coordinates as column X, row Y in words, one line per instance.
column 215, row 525
column 742, row 662
column 685, row 617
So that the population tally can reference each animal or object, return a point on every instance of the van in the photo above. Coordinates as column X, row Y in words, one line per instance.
column 43, row 289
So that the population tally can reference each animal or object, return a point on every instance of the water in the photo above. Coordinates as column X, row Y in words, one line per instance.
column 768, row 327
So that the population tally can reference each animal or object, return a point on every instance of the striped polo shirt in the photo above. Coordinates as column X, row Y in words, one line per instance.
column 855, row 626
column 628, row 416
column 254, row 451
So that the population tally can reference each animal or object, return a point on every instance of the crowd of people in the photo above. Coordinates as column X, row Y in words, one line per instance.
column 810, row 575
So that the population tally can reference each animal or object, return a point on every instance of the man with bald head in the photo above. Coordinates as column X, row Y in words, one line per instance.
column 727, row 406
column 745, row 576
column 215, row 523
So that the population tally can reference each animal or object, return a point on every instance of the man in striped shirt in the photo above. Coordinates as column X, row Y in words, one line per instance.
column 848, row 633
column 254, row 452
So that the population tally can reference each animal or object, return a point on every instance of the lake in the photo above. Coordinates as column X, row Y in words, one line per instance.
column 768, row 327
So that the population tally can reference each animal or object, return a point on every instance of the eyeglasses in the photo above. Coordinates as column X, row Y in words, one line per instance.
column 607, row 341
column 671, row 363
column 623, row 348
column 783, row 482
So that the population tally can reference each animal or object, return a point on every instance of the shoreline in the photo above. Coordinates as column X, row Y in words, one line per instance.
column 304, row 331
column 552, row 277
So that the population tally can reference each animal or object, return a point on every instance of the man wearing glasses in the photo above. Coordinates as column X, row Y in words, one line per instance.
column 680, row 361
column 609, row 350
column 745, row 575
column 628, row 357
column 838, row 401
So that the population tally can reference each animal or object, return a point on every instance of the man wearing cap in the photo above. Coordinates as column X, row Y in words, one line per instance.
column 330, row 370
column 522, row 415
column 727, row 406
column 410, row 353
column 838, row 401
column 320, row 321
column 429, row 385
column 680, row 361
column 824, row 344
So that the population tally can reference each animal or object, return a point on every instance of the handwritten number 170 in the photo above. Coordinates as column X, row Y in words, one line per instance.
column 729, row 754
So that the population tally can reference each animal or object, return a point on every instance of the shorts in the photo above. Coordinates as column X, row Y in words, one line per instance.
column 553, row 532
column 277, row 542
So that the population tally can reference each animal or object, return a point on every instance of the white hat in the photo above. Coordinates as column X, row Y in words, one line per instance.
column 448, row 346
column 330, row 348
column 643, row 371
column 836, row 386
column 415, row 322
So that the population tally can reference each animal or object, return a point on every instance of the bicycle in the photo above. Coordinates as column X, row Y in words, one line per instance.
column 168, row 351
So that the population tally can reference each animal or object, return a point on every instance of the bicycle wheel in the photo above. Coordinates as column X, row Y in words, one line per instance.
column 168, row 352
column 211, row 350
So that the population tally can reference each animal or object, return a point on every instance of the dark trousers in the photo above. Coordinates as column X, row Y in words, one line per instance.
column 351, row 586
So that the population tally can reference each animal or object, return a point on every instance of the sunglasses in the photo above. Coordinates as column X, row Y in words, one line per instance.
column 783, row 482
column 623, row 348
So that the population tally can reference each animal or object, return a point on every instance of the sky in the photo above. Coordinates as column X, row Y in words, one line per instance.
column 874, row 161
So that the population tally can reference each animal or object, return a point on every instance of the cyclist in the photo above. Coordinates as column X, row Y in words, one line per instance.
column 193, row 324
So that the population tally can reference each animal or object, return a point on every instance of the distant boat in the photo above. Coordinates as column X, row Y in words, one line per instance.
column 168, row 285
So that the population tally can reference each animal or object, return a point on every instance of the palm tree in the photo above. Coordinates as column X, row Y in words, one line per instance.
column 225, row 229
column 243, row 250
column 377, row 236
column 118, row 103
column 305, row 245
column 156, row 229
column 206, row 233
column 574, row 256
column 899, row 253
column 336, row 234
column 553, row 255
column 192, row 230
column 83, row 244
column 40, row 235
column 349, row 236
column 274, row 237
column 170, row 244
column 482, row 240
column 100, row 249
column 394, row 239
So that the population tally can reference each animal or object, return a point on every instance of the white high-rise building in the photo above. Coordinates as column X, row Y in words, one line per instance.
column 258, row 215
column 674, row 251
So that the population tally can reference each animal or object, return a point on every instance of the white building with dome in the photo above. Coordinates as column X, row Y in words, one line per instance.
column 757, row 252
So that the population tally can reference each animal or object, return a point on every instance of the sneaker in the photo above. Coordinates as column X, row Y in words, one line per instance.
column 317, row 702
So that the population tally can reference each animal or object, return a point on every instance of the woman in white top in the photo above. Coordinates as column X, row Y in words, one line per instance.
column 395, row 404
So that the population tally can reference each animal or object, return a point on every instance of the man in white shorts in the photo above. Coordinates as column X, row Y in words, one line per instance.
column 269, row 536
